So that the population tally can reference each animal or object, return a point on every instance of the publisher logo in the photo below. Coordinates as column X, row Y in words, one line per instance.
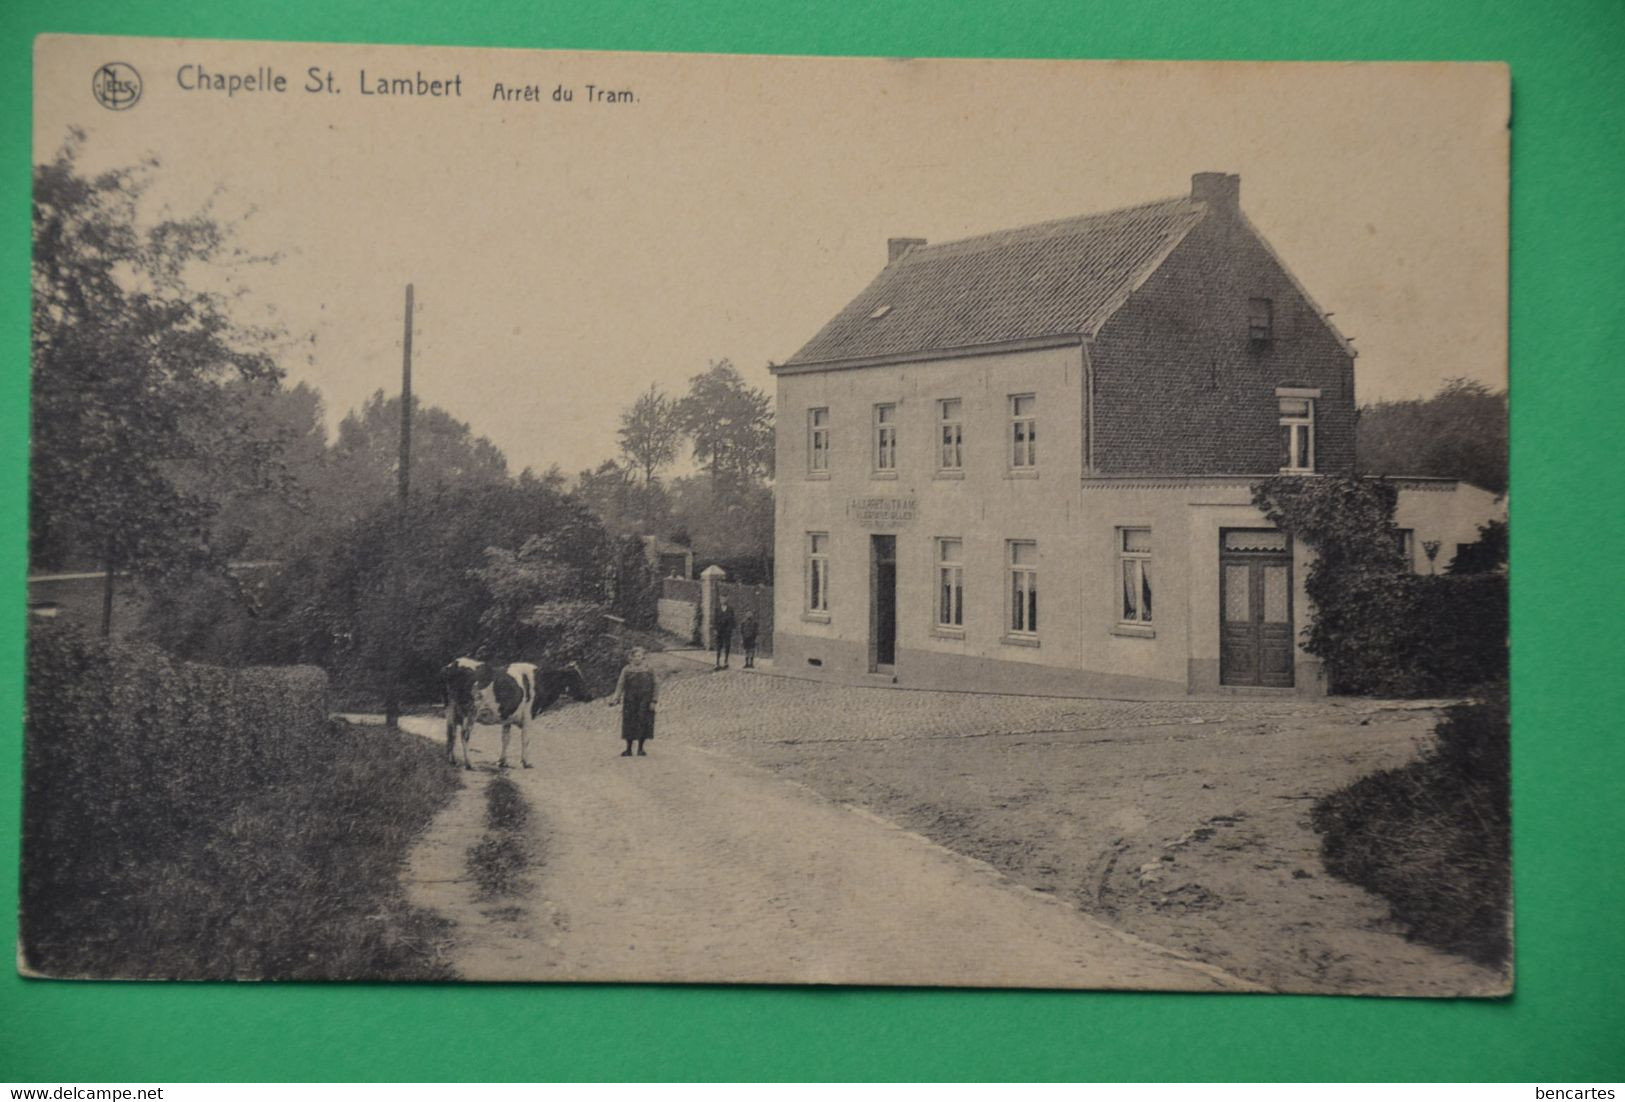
column 116, row 86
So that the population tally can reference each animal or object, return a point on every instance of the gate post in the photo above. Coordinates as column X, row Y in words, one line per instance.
column 709, row 578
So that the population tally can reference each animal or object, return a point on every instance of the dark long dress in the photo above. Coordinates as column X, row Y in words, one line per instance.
column 637, row 705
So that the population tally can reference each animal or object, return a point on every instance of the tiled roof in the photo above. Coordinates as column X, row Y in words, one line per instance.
column 1052, row 279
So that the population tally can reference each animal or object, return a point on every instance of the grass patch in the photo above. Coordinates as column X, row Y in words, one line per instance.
column 297, row 881
column 1434, row 838
column 498, row 860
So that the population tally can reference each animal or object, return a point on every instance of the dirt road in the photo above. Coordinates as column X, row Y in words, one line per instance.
column 687, row 865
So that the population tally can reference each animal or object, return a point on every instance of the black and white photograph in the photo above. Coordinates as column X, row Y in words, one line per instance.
column 504, row 515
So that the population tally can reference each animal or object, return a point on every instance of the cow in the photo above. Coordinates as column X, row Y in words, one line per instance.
column 478, row 692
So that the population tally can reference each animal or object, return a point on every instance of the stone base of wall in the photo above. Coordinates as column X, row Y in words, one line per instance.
column 847, row 663
column 1309, row 679
column 678, row 617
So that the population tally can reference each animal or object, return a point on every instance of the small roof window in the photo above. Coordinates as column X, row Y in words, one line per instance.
column 880, row 312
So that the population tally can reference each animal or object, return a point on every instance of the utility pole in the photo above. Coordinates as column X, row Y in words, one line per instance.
column 406, row 403
column 392, row 693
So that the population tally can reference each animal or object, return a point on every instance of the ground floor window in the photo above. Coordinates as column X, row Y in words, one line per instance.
column 818, row 572
column 1134, row 553
column 1023, row 587
column 950, row 583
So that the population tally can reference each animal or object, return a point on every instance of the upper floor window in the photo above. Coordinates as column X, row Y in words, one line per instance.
column 1134, row 553
column 818, row 441
column 1023, row 431
column 885, row 457
column 1297, row 434
column 1023, row 587
column 950, row 583
column 950, row 435
column 1260, row 321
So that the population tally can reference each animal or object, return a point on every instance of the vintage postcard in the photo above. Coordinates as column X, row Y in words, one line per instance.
column 504, row 515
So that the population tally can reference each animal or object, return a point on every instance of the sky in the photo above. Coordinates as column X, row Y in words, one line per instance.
column 566, row 255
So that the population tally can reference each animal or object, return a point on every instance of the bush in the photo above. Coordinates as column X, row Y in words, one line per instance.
column 1434, row 838
column 1484, row 555
column 1413, row 635
column 474, row 565
column 1378, row 628
column 189, row 821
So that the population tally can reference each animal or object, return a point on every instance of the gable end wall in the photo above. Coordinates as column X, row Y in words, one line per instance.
column 1178, row 388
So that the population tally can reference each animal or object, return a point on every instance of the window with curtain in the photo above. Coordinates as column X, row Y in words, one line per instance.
column 1023, row 587
column 886, row 437
column 1297, row 434
column 950, row 583
column 1134, row 554
column 951, row 432
column 1023, row 431
column 818, row 440
column 818, row 572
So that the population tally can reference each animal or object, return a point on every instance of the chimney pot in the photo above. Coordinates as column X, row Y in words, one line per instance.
column 898, row 247
column 1217, row 189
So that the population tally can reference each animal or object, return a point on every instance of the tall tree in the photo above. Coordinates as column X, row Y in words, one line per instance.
column 1460, row 432
column 135, row 431
column 621, row 503
column 260, row 524
column 650, row 433
column 731, row 424
column 363, row 462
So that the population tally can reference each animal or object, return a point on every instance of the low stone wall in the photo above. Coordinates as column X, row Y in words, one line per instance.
column 680, row 618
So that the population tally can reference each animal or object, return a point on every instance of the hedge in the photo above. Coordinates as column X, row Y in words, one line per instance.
column 129, row 752
column 1415, row 634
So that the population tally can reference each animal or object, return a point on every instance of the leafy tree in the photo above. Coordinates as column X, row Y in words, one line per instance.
column 362, row 465
column 256, row 524
column 1378, row 627
column 626, row 506
column 136, row 424
column 650, row 433
column 1460, row 432
column 730, row 525
column 1486, row 555
column 553, row 478
column 730, row 423
column 332, row 602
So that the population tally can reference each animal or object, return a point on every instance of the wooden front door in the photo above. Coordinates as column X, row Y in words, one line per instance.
column 1255, row 608
column 883, row 605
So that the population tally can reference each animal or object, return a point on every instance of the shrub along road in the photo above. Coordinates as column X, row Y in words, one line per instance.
column 785, row 831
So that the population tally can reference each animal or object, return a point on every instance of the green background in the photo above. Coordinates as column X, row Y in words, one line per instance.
column 1566, row 1021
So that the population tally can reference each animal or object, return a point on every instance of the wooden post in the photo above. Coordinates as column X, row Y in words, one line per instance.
column 406, row 403
column 397, row 616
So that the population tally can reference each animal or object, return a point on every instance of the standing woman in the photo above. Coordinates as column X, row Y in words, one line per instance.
column 639, row 690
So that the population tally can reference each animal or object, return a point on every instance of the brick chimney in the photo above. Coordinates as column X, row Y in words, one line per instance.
column 1219, row 190
column 898, row 247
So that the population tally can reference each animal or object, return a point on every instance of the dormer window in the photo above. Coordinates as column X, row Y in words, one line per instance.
column 1260, row 322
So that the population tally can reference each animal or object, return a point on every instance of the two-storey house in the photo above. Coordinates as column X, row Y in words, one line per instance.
column 1023, row 460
